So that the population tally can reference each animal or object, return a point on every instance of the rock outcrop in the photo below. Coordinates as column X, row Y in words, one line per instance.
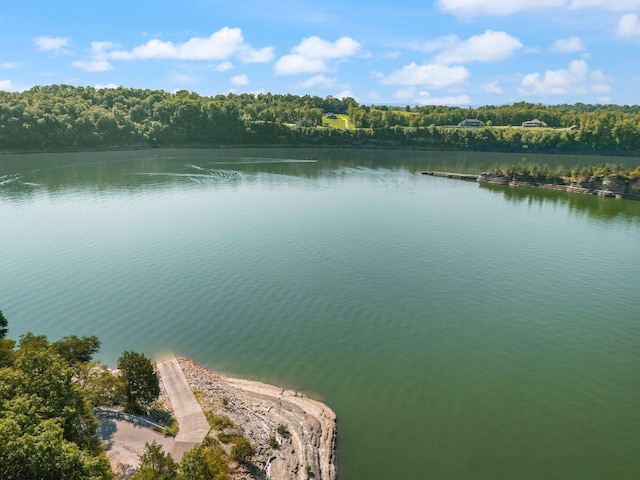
column 600, row 186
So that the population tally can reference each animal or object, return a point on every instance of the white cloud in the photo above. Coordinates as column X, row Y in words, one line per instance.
column 617, row 5
column 568, row 45
column 99, row 54
column 344, row 94
column 9, row 65
column 470, row 8
column 488, row 47
column 315, row 47
column 101, row 48
column 222, row 45
column 57, row 45
column 574, row 80
column 628, row 26
column 290, row 64
column 224, row 66
column 422, row 97
column 491, row 87
column 249, row 55
column 318, row 81
column 8, row 86
column 600, row 83
column 100, row 86
column 313, row 54
column 428, row 76
column 93, row 65
column 239, row 80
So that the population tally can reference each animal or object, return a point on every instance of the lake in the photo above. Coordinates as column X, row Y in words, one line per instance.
column 458, row 330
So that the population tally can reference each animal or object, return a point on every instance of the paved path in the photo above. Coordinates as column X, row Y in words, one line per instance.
column 126, row 442
column 191, row 420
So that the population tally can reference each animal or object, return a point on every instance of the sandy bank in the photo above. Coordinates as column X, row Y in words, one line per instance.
column 258, row 408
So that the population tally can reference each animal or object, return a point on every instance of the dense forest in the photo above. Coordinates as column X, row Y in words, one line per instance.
column 62, row 117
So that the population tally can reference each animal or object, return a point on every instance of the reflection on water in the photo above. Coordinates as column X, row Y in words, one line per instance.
column 25, row 176
column 592, row 205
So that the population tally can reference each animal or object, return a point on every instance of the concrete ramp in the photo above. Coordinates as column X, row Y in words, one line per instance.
column 188, row 412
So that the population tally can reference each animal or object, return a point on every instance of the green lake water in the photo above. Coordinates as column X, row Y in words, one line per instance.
column 459, row 331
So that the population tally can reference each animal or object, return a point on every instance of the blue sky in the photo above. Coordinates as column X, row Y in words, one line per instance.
column 452, row 52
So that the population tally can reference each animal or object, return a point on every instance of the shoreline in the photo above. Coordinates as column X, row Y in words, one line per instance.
column 258, row 409
column 493, row 179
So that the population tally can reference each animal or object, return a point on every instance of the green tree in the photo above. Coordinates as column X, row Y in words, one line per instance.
column 141, row 383
column 49, row 379
column 242, row 450
column 46, row 424
column 31, row 448
column 3, row 325
column 204, row 463
column 155, row 464
column 7, row 354
column 6, row 345
column 76, row 350
column 100, row 385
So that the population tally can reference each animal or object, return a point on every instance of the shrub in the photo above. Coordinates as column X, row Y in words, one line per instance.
column 225, row 437
column 172, row 429
column 219, row 422
column 283, row 430
column 242, row 450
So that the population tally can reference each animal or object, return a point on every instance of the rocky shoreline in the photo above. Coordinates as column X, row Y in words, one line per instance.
column 605, row 187
column 307, row 444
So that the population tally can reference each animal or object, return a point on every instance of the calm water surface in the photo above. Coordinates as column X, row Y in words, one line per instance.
column 458, row 331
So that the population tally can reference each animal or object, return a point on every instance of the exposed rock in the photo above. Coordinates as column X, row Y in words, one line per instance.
column 600, row 186
column 306, row 448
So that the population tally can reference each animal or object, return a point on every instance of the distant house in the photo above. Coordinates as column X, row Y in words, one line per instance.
column 331, row 116
column 534, row 123
column 471, row 122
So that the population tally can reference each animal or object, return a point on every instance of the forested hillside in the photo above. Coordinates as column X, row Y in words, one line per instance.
column 61, row 117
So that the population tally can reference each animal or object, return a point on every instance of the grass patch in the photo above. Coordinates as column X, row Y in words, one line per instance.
column 273, row 443
column 199, row 394
column 226, row 437
column 339, row 123
column 172, row 429
column 219, row 422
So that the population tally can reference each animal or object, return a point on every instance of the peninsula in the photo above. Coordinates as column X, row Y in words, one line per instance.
column 601, row 180
column 293, row 436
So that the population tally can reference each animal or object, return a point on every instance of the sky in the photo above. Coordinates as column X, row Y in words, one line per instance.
column 429, row 52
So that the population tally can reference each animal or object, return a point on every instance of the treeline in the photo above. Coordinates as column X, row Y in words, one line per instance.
column 615, row 173
column 62, row 117
column 555, row 116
